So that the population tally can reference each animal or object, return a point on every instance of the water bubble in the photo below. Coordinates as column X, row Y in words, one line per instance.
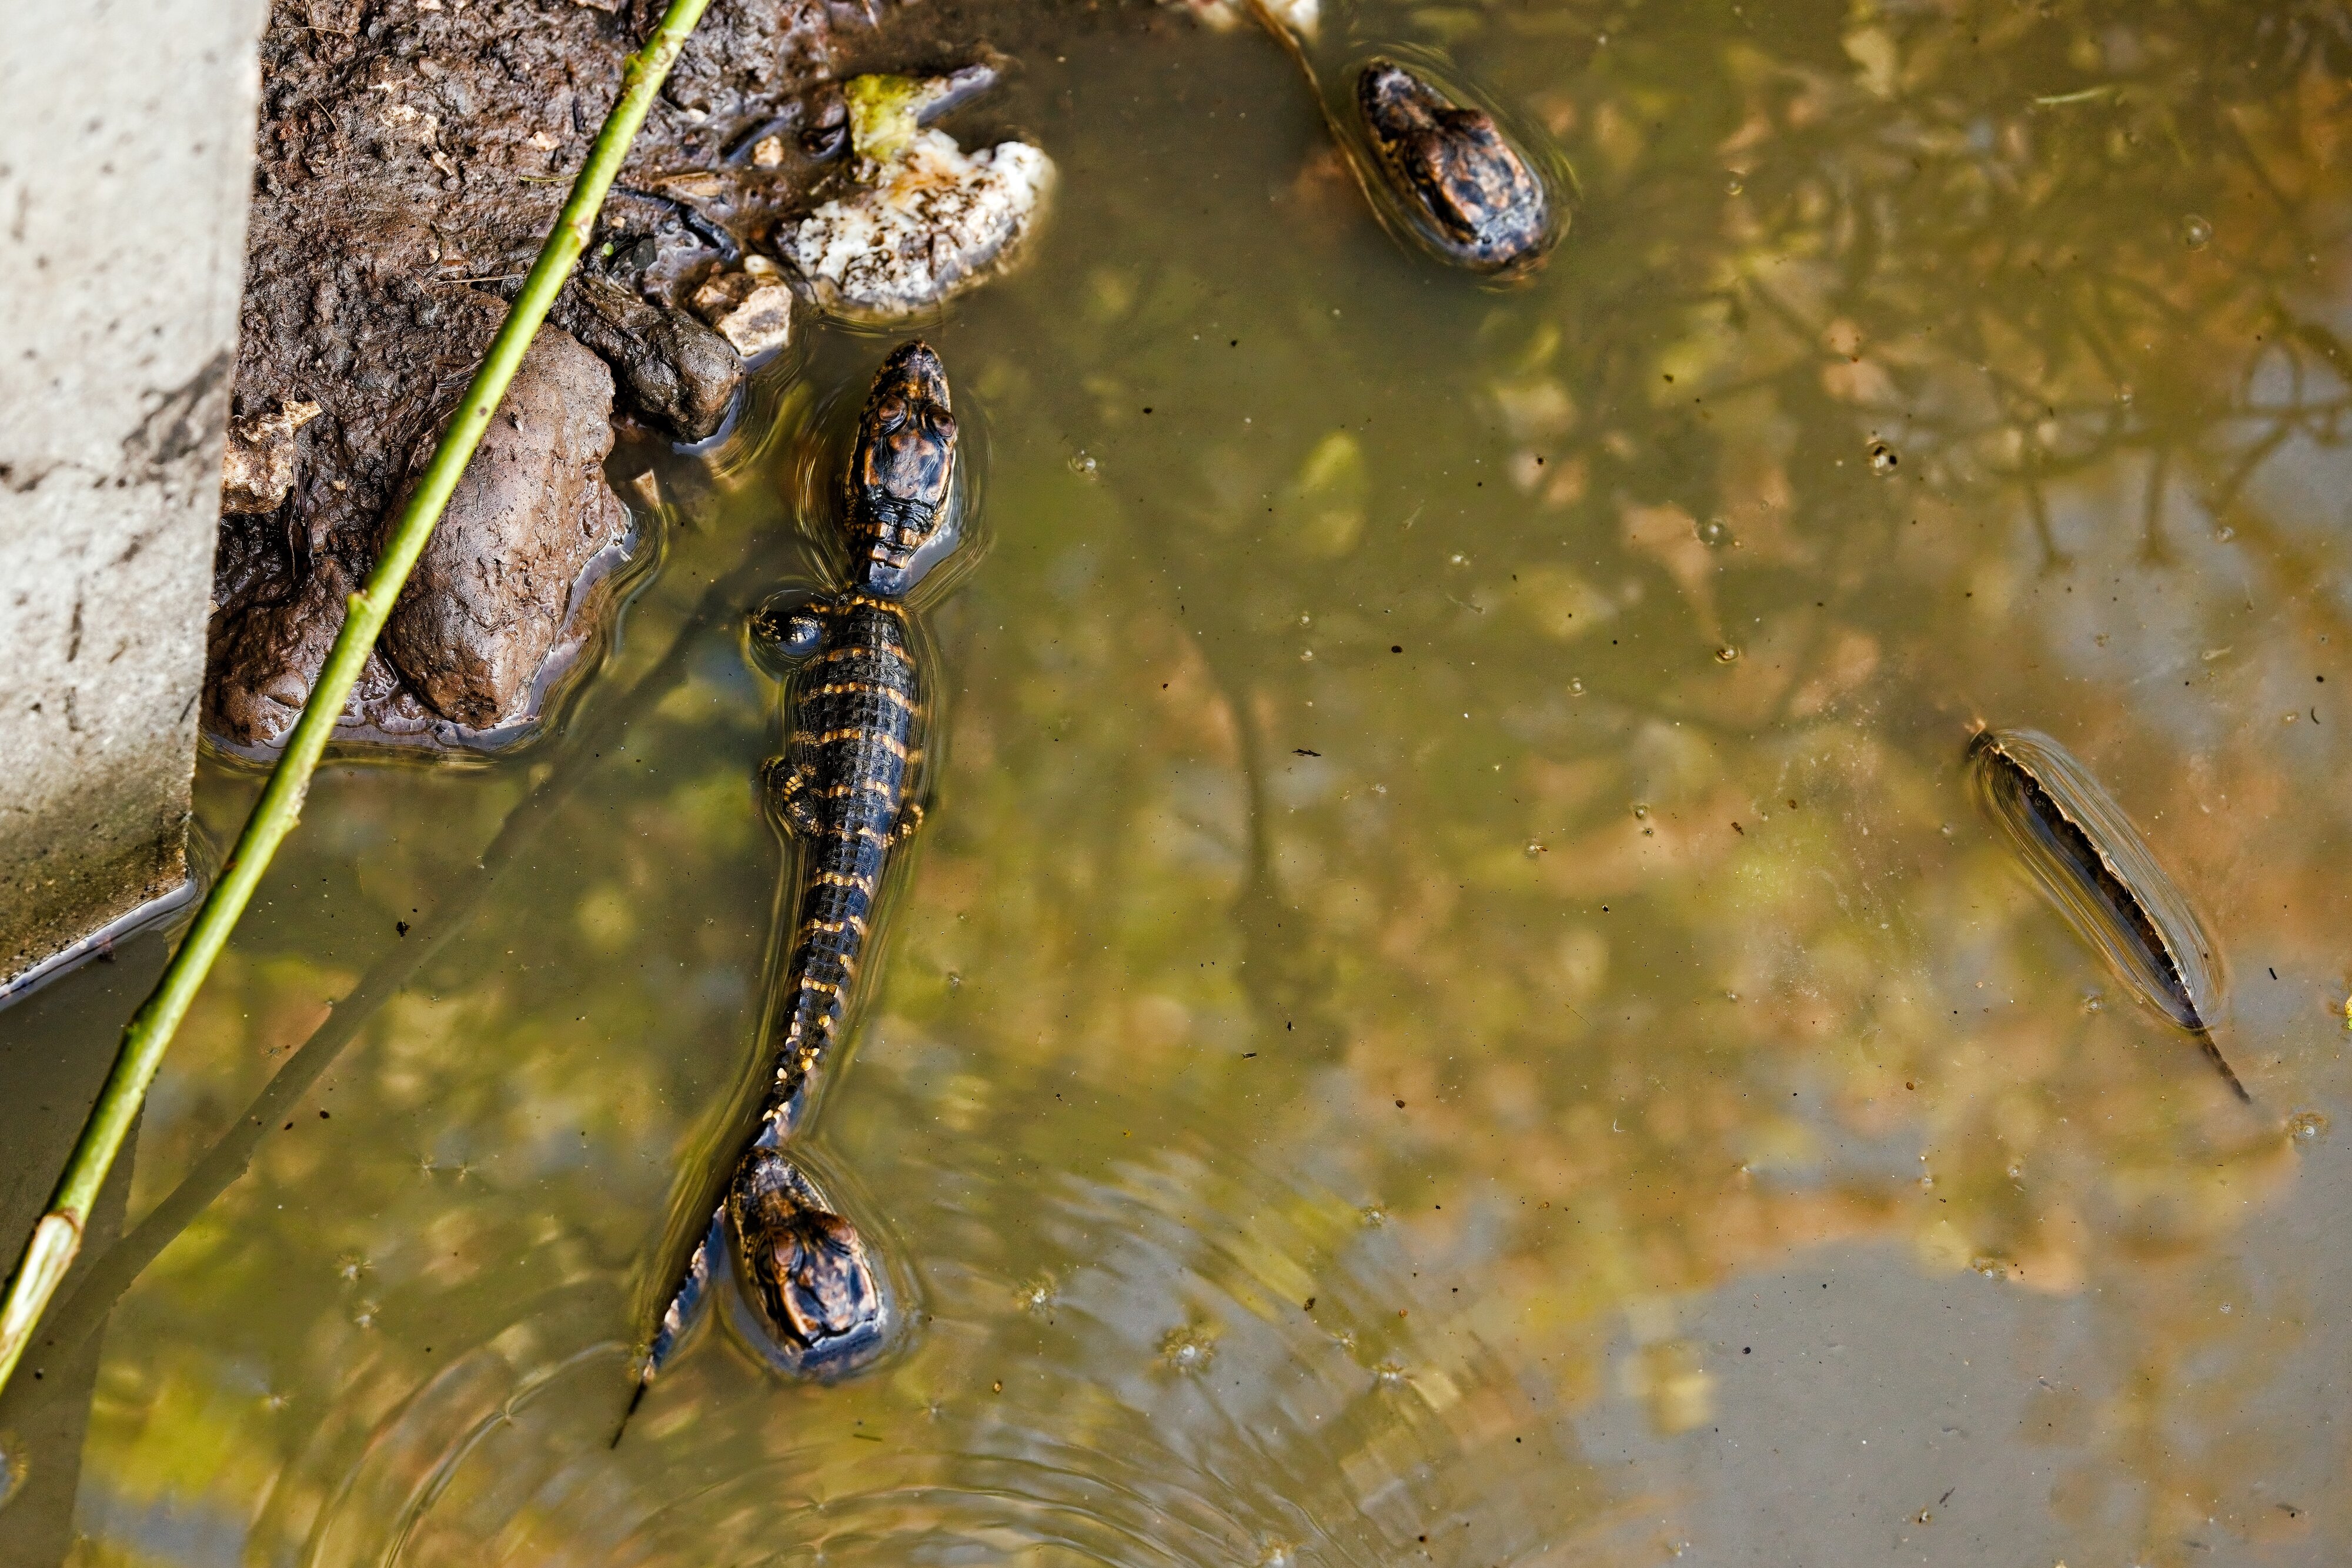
column 1389, row 1374
column 2225, row 1309
column 1534, row 849
column 2124, row 393
column 1714, row 531
column 2306, row 1126
column 1641, row 811
column 1278, row 1554
column 2017, row 1170
column 1188, row 1349
column 1459, row 560
column 1035, row 1298
column 2095, row 1002
column 2195, row 233
column 1725, row 654
column 1082, row 464
column 1732, row 186
column 1373, row 1216
column 1990, row 1267
column 1881, row 458
column 1305, row 655
column 1927, row 1182
column 2224, row 534
column 366, row 1315
column 1575, row 687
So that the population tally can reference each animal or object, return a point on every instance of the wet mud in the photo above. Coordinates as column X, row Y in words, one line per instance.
column 411, row 159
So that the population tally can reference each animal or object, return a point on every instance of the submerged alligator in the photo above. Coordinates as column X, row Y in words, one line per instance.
column 809, row 1294
column 2099, row 874
column 1443, row 174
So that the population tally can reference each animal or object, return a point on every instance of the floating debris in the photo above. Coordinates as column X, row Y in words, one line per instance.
column 1188, row 1349
column 932, row 221
column 1883, row 459
column 1715, row 532
column 2306, row 1126
column 1226, row 15
column 2092, row 863
column 2195, row 233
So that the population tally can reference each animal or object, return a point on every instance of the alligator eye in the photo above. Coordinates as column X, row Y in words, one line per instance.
column 784, row 629
column 803, row 634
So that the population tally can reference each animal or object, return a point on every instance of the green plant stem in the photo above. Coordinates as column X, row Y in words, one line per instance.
column 231, row 1156
column 57, row 1237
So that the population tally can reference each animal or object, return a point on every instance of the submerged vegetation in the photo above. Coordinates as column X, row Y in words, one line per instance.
column 1451, row 853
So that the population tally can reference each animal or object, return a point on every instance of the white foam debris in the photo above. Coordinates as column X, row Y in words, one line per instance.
column 1299, row 16
column 939, row 221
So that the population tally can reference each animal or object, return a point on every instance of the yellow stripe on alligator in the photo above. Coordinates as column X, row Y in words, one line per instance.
column 881, row 786
column 846, row 922
column 887, row 742
column 864, row 688
column 862, row 651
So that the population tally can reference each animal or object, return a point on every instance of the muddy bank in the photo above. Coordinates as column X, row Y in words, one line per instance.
column 411, row 156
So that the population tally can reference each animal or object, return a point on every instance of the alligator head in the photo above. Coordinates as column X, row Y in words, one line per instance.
column 815, row 1290
column 1468, row 189
column 902, row 474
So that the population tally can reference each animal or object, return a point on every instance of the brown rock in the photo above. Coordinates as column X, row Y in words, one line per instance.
column 489, row 596
column 672, row 369
column 266, row 655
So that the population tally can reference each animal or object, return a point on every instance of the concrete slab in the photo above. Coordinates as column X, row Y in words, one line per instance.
column 125, row 163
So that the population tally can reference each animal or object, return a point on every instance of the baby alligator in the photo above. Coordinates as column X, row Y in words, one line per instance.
column 812, row 1297
column 1445, row 173
column 1472, row 195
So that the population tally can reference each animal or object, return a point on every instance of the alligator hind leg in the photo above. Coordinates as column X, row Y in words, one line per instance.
column 789, row 785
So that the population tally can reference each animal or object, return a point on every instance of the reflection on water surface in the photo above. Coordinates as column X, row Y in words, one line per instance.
column 1453, row 1006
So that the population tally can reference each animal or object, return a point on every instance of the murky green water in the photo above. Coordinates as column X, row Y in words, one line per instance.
column 1453, row 1006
